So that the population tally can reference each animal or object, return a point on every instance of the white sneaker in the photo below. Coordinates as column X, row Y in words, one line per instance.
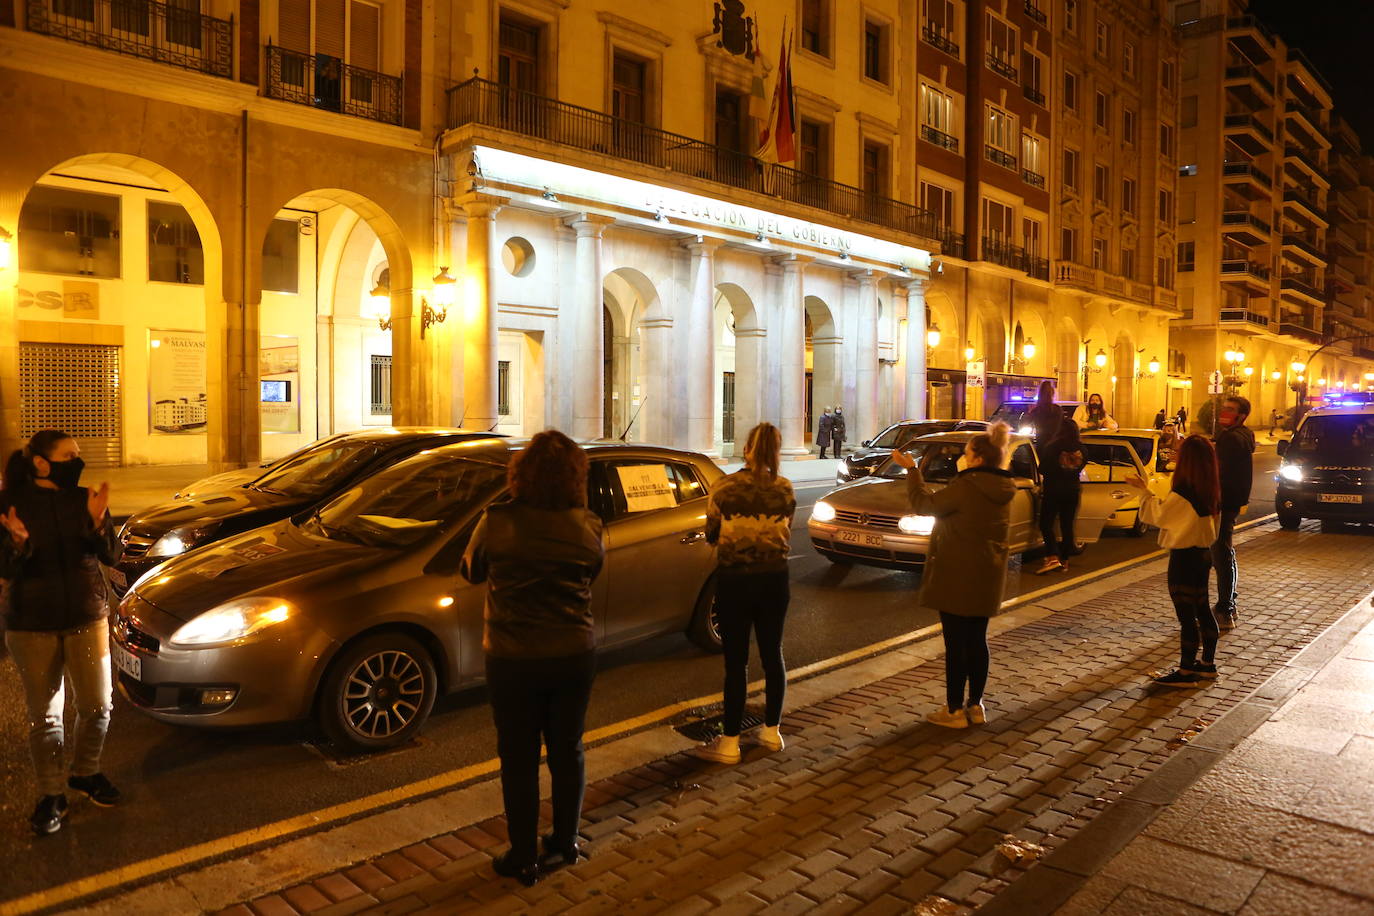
column 770, row 737
column 956, row 719
column 977, row 714
column 724, row 749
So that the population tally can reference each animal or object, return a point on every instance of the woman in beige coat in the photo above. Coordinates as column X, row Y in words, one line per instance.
column 966, row 568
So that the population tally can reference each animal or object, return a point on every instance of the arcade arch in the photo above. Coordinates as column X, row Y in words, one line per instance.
column 739, row 341
column 824, row 362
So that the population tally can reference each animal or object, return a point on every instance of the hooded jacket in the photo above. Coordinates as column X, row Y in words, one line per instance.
column 539, row 565
column 966, row 568
column 54, row 581
column 1235, row 465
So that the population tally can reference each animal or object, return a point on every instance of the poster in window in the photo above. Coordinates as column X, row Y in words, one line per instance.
column 176, row 382
column 279, row 372
column 646, row 487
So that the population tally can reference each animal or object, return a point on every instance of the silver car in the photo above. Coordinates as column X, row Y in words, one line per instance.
column 354, row 612
column 870, row 521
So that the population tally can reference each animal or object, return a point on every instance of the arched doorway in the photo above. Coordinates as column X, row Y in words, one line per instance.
column 635, row 397
column 739, row 338
column 824, row 361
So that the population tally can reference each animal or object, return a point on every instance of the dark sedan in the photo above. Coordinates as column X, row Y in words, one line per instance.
column 870, row 454
column 355, row 613
column 308, row 477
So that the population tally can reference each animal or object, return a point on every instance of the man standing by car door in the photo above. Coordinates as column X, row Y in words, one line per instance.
column 1235, row 450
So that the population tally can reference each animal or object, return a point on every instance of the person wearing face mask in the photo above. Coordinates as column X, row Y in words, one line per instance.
column 1235, row 445
column 966, row 568
column 1093, row 415
column 54, row 534
column 838, row 431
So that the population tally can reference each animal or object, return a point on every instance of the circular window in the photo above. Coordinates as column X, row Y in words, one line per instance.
column 518, row 256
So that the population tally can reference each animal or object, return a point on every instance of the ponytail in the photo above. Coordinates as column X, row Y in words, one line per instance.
column 991, row 446
column 19, row 466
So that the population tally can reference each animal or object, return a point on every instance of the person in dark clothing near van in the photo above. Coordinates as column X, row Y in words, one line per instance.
column 1046, row 417
column 54, row 534
column 1235, row 445
column 539, row 553
column 1061, row 461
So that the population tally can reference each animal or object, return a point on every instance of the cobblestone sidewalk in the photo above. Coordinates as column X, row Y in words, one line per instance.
column 871, row 810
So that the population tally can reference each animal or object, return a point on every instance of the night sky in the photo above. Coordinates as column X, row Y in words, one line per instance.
column 1335, row 36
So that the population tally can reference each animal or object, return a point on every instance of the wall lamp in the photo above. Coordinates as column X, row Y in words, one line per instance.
column 443, row 292
column 1152, row 369
column 969, row 352
column 1100, row 359
column 380, row 297
column 1028, row 349
column 933, row 336
column 6, row 244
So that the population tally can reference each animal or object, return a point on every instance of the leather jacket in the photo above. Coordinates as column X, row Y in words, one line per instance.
column 54, row 581
column 539, row 565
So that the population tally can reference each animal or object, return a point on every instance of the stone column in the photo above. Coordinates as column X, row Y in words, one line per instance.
column 700, row 368
column 479, row 321
column 915, row 349
column 588, row 329
column 865, row 425
column 792, row 361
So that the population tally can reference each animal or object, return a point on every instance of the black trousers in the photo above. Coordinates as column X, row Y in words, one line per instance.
column 824, row 446
column 1059, row 507
column 966, row 658
column 534, row 699
column 754, row 602
column 1224, row 561
column 1197, row 627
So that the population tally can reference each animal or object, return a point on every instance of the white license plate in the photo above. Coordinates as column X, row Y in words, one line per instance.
column 127, row 661
column 858, row 537
column 1339, row 498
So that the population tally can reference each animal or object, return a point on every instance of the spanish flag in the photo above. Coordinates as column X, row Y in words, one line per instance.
column 778, row 141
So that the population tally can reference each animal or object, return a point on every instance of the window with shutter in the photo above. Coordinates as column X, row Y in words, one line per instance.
column 329, row 27
column 364, row 35
column 294, row 25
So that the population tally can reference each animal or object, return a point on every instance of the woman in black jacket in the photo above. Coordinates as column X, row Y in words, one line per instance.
column 538, row 554
column 55, row 535
column 1061, row 461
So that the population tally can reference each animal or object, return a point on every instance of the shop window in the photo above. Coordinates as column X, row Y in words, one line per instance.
column 281, row 257
column 69, row 232
column 174, row 252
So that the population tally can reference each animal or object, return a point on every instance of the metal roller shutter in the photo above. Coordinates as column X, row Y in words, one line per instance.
column 74, row 388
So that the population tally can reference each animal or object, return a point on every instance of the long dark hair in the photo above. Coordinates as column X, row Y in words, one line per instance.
column 1195, row 476
column 1100, row 409
column 19, row 467
column 549, row 473
column 1044, row 400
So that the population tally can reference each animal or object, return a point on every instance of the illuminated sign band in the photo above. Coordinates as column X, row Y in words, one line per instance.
column 612, row 190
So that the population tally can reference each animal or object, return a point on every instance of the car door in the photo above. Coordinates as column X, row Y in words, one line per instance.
column 657, row 556
column 1024, row 507
column 1109, row 463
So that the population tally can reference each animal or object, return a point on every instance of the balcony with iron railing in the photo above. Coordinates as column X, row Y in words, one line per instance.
column 1250, row 73
column 1243, row 317
column 939, row 38
column 1297, row 154
column 1034, row 11
column 1303, row 284
column 1247, row 121
column 325, row 82
column 146, row 29
column 1244, row 222
column 999, row 157
column 1306, row 243
column 1002, row 67
column 1033, row 179
column 1033, row 95
column 996, row 250
column 1305, row 200
column 939, row 138
column 951, row 242
column 1305, row 325
column 1240, row 267
column 482, row 102
column 1248, row 171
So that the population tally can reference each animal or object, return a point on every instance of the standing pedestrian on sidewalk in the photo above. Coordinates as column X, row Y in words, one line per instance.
column 539, row 553
column 1188, row 520
column 1061, row 462
column 838, row 432
column 1235, row 447
column 56, row 534
column 825, row 426
column 966, row 569
column 749, row 519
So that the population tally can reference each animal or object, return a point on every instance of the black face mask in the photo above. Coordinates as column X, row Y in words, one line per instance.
column 66, row 474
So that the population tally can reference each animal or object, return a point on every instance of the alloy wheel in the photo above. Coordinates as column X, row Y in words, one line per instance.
column 383, row 693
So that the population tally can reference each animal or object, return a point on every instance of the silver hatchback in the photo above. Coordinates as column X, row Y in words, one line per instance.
column 354, row 613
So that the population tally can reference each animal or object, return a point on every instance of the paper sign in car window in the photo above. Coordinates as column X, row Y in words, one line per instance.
column 646, row 487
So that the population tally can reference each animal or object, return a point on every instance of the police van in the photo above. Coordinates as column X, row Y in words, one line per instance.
column 1327, row 471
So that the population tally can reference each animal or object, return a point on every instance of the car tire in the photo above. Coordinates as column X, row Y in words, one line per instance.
column 1288, row 521
column 378, row 693
column 704, row 630
column 1331, row 526
column 1137, row 530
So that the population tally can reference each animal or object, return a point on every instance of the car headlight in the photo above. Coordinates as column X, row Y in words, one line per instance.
column 1291, row 473
column 179, row 540
column 1026, row 431
column 822, row 511
column 232, row 621
column 916, row 524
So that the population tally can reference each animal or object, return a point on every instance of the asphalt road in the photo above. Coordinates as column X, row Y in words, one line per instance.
column 186, row 787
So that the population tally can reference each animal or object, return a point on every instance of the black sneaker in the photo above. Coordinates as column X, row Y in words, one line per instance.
column 1179, row 677
column 47, row 817
column 97, row 788
column 1205, row 670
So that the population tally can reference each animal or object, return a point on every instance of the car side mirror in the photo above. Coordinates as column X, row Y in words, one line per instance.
column 1282, row 447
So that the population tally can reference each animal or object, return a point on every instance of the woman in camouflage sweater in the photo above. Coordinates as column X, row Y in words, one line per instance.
column 749, row 519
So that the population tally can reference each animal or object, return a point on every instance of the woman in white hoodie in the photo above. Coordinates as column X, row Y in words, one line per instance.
column 1187, row 520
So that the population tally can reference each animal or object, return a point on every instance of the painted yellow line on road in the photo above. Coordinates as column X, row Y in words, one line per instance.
column 137, row 871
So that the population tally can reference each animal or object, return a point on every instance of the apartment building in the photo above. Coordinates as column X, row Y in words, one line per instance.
column 1350, row 251
column 1255, row 251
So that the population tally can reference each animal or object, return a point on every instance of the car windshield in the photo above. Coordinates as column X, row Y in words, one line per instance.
column 410, row 502
column 316, row 471
column 899, row 435
column 1011, row 413
column 1338, row 440
column 1108, row 462
column 1144, row 446
column 891, row 470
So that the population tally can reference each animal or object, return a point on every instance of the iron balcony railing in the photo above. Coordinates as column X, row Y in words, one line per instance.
column 1248, row 169
column 1245, row 316
column 148, row 29
column 939, row 39
column 1000, row 157
column 1298, row 196
column 1032, row 179
column 1250, row 72
column 1033, row 95
column 1003, row 67
column 480, row 101
column 1241, row 266
column 939, row 138
column 951, row 242
column 325, row 82
column 1234, row 218
column 997, row 250
column 1304, row 328
column 1303, row 285
column 1249, row 121
column 1035, row 12
column 1304, row 243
